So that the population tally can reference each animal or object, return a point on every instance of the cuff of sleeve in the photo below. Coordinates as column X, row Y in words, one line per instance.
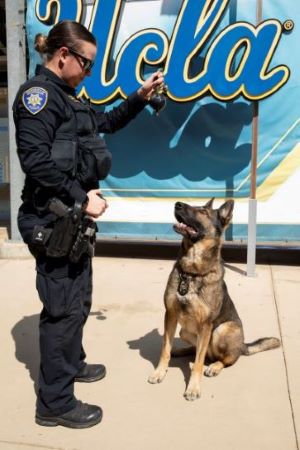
column 77, row 193
column 137, row 100
column 85, row 203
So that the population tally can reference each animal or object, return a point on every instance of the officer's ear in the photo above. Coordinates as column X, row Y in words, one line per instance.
column 63, row 52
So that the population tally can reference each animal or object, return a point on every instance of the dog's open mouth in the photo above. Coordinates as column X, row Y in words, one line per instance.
column 184, row 229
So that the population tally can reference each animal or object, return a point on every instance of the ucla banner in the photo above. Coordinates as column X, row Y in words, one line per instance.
column 217, row 61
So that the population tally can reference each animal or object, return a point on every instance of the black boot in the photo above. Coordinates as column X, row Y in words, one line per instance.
column 82, row 416
column 91, row 372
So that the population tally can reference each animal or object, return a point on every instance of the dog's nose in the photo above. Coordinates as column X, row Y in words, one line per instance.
column 178, row 205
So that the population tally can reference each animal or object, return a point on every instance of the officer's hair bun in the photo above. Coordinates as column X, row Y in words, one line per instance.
column 40, row 43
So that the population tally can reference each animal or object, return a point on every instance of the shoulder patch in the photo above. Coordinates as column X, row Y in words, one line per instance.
column 35, row 99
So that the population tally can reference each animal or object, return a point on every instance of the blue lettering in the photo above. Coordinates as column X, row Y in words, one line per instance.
column 148, row 46
column 47, row 10
column 237, row 61
column 251, row 79
column 189, row 37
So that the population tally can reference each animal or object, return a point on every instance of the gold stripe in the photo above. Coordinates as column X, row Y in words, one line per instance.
column 279, row 175
column 280, row 140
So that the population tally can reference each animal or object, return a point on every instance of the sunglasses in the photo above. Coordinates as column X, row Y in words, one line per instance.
column 87, row 63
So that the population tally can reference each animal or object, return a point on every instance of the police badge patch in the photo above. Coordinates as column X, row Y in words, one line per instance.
column 35, row 99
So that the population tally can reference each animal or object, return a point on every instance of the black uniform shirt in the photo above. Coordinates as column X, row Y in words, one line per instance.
column 35, row 131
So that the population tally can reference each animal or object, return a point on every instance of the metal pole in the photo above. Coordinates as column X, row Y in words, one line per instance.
column 252, row 210
column 16, row 69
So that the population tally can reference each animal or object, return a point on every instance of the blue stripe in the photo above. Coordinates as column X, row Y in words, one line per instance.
column 164, row 231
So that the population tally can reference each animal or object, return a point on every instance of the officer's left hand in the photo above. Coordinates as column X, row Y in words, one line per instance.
column 146, row 90
column 96, row 204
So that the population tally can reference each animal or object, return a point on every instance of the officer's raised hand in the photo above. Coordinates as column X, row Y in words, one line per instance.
column 96, row 204
column 147, row 89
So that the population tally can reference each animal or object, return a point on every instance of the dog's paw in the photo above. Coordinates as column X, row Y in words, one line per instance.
column 213, row 369
column 157, row 376
column 192, row 394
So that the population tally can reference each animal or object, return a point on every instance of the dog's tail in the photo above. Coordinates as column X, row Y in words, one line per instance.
column 260, row 345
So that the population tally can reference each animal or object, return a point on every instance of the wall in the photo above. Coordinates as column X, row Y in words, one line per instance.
column 201, row 148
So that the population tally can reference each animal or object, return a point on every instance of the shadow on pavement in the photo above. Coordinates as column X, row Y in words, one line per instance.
column 26, row 337
column 100, row 315
column 235, row 269
column 149, row 347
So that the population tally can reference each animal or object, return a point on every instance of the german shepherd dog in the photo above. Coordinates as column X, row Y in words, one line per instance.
column 196, row 296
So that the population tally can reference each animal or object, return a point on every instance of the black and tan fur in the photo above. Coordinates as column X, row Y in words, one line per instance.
column 196, row 297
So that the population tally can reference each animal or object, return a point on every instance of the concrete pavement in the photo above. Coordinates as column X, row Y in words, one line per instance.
column 254, row 405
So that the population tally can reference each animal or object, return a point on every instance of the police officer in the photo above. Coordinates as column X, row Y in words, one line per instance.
column 63, row 157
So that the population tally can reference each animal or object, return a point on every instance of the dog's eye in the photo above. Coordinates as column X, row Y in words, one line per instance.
column 203, row 211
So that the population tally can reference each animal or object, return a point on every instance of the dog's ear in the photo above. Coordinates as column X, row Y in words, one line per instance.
column 209, row 203
column 225, row 212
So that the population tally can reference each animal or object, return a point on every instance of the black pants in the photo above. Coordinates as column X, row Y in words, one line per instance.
column 65, row 290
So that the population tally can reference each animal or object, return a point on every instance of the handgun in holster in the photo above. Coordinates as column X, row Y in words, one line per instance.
column 72, row 235
column 84, row 241
column 65, row 228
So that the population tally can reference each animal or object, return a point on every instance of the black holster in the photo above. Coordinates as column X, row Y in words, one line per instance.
column 85, row 239
column 65, row 228
column 62, row 237
column 72, row 234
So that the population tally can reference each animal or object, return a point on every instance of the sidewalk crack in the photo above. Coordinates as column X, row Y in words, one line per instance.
column 284, row 357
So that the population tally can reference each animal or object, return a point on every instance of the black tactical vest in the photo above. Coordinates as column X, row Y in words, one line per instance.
column 78, row 150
